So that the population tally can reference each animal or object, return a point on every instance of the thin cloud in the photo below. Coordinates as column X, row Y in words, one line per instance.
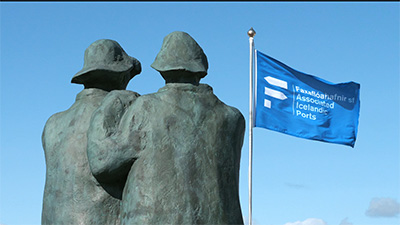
column 295, row 186
column 309, row 221
column 345, row 222
column 383, row 207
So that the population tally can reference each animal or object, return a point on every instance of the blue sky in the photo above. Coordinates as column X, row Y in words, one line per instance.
column 295, row 181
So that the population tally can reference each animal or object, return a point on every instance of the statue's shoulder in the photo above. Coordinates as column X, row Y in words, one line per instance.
column 52, row 127
column 230, row 111
column 55, row 119
column 235, row 113
column 122, row 96
column 106, row 117
column 124, row 93
column 148, row 102
column 115, row 102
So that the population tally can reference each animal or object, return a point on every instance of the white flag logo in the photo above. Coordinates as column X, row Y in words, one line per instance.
column 274, row 93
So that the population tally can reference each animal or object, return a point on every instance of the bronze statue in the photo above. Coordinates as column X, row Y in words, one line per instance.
column 72, row 195
column 179, row 148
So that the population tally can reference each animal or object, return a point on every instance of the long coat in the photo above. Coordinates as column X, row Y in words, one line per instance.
column 72, row 195
column 185, row 145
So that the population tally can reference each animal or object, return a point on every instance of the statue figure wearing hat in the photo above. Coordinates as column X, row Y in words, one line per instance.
column 184, row 143
column 72, row 195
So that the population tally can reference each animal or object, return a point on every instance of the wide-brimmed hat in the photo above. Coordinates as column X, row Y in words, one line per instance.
column 179, row 51
column 106, row 55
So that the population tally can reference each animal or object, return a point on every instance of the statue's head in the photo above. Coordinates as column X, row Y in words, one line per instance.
column 107, row 66
column 181, row 59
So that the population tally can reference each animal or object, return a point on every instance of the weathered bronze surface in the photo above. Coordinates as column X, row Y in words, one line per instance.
column 72, row 195
column 183, row 143
column 170, row 157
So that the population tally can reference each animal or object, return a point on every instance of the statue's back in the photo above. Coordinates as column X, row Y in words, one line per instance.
column 188, row 169
column 72, row 195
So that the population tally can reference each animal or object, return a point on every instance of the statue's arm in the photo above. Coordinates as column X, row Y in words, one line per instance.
column 49, row 134
column 110, row 150
column 239, row 130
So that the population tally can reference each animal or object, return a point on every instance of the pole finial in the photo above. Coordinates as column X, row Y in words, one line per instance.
column 251, row 32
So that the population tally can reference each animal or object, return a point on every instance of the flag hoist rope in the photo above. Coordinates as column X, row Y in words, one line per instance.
column 251, row 34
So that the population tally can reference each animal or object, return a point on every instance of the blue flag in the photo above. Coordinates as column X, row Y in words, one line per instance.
column 306, row 106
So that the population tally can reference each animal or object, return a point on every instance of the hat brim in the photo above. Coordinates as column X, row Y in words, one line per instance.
column 80, row 76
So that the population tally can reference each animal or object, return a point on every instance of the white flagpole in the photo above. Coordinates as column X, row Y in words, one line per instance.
column 251, row 34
